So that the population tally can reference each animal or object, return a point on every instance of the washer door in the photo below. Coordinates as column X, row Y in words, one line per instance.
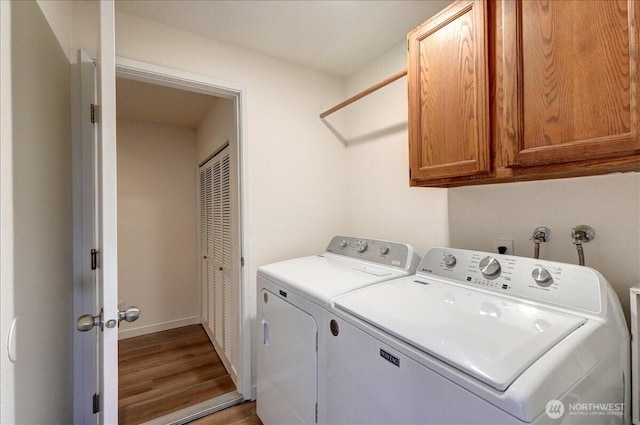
column 287, row 363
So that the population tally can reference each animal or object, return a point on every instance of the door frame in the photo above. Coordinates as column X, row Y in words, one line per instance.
column 168, row 77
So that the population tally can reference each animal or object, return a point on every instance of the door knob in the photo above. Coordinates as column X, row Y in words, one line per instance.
column 86, row 322
column 131, row 314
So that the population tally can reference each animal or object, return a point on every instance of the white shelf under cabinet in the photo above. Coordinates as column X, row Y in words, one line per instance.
column 635, row 353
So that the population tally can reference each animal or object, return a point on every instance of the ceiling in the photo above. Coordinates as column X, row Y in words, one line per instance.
column 333, row 36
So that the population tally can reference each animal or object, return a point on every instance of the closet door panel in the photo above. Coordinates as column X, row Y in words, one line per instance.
column 202, row 248
column 225, row 195
column 220, row 297
column 206, row 243
column 218, row 308
column 222, row 253
column 217, row 253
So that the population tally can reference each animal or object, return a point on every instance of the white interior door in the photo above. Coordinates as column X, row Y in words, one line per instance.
column 85, row 344
column 98, row 347
column 107, row 217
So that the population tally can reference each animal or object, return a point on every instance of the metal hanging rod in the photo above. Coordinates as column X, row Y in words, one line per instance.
column 364, row 93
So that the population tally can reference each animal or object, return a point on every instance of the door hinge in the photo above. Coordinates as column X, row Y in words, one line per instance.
column 316, row 342
column 96, row 403
column 241, row 261
column 316, row 412
column 93, row 113
column 94, row 259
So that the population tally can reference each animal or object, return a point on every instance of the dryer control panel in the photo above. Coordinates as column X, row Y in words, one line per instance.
column 564, row 285
column 394, row 254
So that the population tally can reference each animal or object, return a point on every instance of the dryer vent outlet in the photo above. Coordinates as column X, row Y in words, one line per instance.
column 503, row 246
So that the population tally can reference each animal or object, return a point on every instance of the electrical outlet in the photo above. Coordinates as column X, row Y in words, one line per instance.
column 121, row 305
column 498, row 244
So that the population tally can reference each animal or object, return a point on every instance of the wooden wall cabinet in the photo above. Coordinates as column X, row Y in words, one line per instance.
column 562, row 83
column 449, row 95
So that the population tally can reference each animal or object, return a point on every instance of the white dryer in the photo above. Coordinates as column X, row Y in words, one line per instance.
column 478, row 338
column 292, row 299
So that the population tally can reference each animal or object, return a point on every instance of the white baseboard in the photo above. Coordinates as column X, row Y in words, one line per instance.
column 157, row 327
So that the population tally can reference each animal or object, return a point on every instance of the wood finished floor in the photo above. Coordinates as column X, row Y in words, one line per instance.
column 168, row 371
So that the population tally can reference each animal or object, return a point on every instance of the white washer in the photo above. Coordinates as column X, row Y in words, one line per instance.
column 292, row 299
column 479, row 338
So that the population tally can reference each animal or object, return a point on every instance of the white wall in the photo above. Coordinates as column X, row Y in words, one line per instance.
column 218, row 126
column 85, row 25
column 7, row 309
column 157, row 230
column 36, row 241
column 610, row 204
column 59, row 15
column 381, row 203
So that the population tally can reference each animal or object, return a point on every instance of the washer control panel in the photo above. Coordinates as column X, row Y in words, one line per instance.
column 565, row 285
column 387, row 253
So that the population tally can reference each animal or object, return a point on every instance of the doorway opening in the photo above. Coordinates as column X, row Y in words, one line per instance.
column 180, row 242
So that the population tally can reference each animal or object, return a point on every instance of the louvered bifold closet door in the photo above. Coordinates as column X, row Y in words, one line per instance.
column 218, row 280
column 216, row 247
column 226, row 252
column 206, row 244
column 209, row 237
column 203, row 244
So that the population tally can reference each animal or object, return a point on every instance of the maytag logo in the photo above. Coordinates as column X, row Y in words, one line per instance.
column 390, row 357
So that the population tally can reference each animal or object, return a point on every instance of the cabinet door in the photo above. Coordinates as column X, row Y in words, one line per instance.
column 448, row 94
column 572, row 86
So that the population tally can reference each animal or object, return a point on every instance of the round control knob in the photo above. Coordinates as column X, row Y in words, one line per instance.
column 362, row 246
column 542, row 276
column 343, row 243
column 490, row 267
column 449, row 260
column 384, row 250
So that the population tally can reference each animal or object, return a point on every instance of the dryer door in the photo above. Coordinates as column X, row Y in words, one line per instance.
column 287, row 362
